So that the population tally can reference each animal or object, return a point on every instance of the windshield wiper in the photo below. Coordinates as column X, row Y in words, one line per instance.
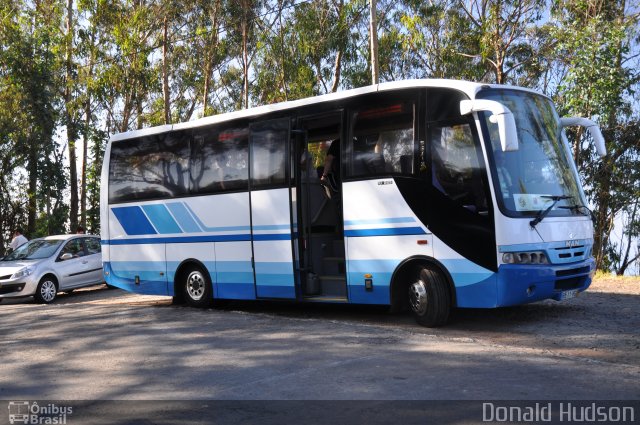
column 580, row 209
column 543, row 213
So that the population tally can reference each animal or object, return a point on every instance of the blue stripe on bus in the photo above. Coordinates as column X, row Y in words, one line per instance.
column 236, row 290
column 234, row 272
column 233, row 279
column 276, row 291
column 245, row 237
column 272, row 237
column 161, row 219
column 185, row 220
column 133, row 221
column 392, row 231
column 179, row 239
column 380, row 221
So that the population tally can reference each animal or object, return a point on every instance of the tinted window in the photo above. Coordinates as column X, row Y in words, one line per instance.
column 219, row 160
column 268, row 154
column 92, row 245
column 149, row 168
column 73, row 247
column 382, row 141
column 456, row 170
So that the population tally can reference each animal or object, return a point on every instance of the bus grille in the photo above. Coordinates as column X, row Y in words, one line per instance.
column 568, row 254
column 569, row 272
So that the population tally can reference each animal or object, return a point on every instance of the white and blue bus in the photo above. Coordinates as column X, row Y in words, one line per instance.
column 448, row 194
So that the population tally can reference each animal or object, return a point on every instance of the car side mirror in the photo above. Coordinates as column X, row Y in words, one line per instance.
column 500, row 115
column 66, row 256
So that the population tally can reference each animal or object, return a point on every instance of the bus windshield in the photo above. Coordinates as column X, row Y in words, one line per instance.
column 539, row 173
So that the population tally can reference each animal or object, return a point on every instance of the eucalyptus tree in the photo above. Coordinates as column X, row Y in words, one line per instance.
column 243, row 16
column 595, row 46
column 211, row 49
column 435, row 40
column 506, row 31
column 127, row 78
column 30, row 42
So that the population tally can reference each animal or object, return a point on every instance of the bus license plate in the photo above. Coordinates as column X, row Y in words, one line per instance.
column 569, row 294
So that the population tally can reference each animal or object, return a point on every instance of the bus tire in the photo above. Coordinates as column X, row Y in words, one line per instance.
column 196, row 287
column 429, row 297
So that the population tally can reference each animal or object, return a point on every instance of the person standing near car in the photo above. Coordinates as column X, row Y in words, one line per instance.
column 18, row 239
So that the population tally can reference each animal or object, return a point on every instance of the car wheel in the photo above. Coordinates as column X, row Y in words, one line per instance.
column 429, row 297
column 197, row 287
column 46, row 291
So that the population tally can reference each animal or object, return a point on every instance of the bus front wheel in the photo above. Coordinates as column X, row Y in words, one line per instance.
column 197, row 287
column 429, row 297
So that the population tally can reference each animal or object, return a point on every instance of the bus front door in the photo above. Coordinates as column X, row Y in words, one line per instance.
column 270, row 189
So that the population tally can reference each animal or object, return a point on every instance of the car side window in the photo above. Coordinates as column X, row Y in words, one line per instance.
column 73, row 247
column 93, row 245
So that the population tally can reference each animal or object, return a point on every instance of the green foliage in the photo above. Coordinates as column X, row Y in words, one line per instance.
column 594, row 40
column 126, row 72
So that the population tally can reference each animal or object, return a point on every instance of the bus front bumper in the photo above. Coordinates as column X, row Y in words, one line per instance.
column 521, row 284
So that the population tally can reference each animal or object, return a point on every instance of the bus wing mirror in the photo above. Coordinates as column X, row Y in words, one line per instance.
column 500, row 115
column 591, row 127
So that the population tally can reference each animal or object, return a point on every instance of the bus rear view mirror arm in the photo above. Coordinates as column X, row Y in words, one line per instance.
column 501, row 115
column 593, row 129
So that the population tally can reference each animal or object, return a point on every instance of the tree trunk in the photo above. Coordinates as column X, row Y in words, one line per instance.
column 373, row 37
column 71, row 127
column 245, row 55
column 210, row 51
column 32, row 204
column 165, row 71
column 87, row 124
column 337, row 69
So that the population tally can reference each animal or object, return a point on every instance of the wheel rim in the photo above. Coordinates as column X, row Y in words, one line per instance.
column 48, row 290
column 196, row 285
column 418, row 297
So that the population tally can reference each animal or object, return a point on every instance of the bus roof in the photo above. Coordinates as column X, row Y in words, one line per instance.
column 469, row 88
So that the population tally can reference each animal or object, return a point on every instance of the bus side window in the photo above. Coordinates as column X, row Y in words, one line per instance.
column 219, row 160
column 268, row 163
column 151, row 167
column 382, row 141
column 456, row 170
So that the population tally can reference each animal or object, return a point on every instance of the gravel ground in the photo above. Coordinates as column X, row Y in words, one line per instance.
column 602, row 324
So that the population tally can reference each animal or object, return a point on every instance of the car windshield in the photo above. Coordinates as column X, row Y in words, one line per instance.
column 34, row 250
column 539, row 172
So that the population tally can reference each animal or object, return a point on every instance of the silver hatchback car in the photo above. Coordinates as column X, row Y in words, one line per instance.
column 43, row 267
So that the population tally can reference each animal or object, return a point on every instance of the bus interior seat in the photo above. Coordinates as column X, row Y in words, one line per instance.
column 368, row 163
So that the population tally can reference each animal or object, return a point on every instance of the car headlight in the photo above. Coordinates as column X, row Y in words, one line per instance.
column 535, row 257
column 24, row 272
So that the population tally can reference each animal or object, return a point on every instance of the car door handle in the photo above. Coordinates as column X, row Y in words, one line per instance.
column 85, row 262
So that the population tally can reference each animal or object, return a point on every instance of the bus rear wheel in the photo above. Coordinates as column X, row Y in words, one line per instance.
column 197, row 287
column 429, row 297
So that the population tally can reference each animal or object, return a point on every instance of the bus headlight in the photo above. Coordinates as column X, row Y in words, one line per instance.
column 535, row 257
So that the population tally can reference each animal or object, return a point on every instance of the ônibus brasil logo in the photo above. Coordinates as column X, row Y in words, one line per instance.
column 25, row 412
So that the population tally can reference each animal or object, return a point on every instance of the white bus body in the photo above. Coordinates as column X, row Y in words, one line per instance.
column 441, row 203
